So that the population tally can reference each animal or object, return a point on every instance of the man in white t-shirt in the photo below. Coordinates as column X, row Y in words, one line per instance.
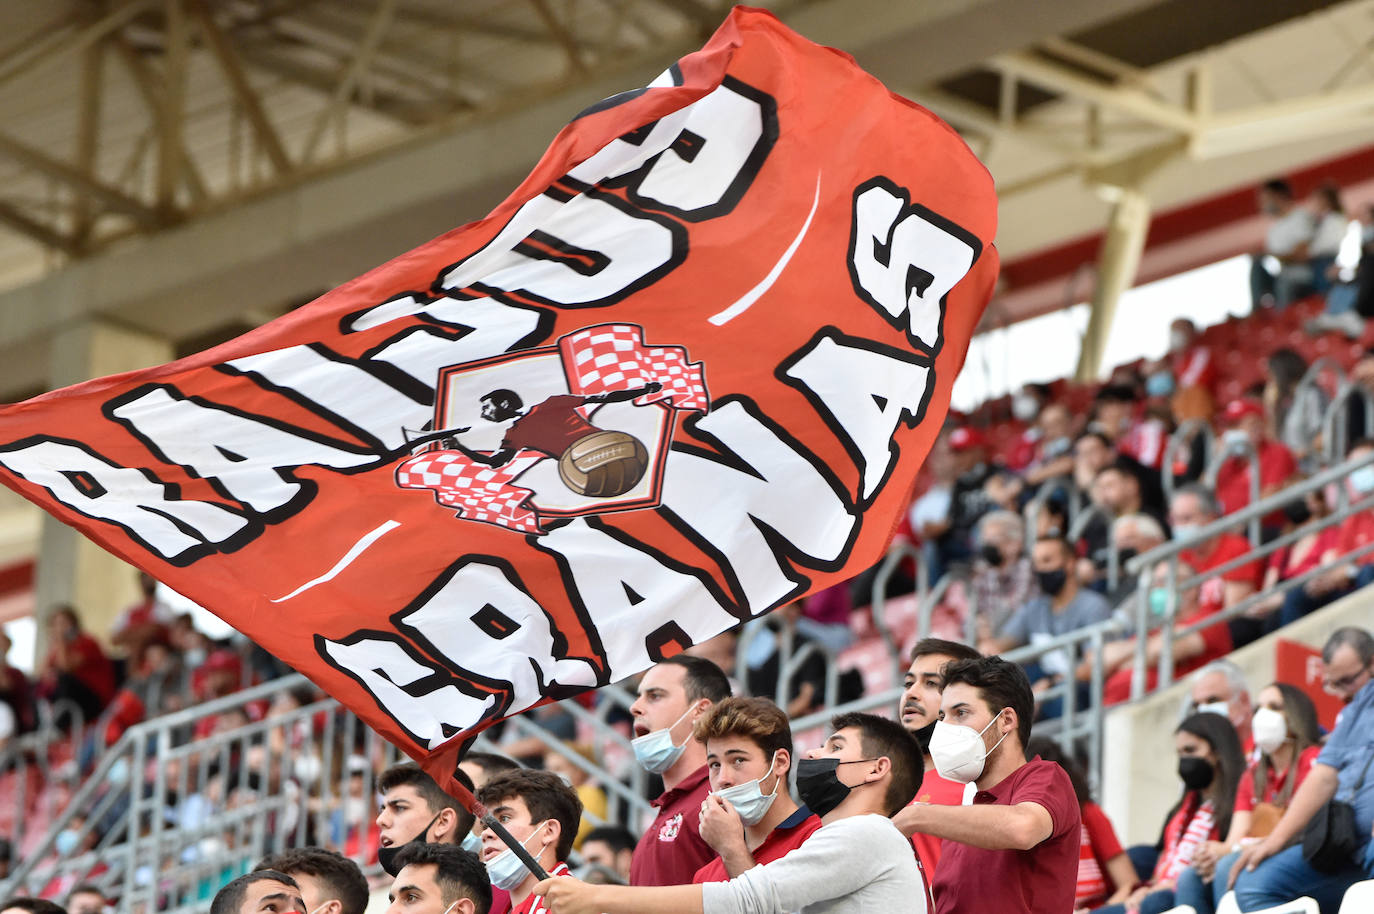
column 1287, row 241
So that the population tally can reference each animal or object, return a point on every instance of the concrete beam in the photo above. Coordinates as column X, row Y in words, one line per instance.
column 324, row 229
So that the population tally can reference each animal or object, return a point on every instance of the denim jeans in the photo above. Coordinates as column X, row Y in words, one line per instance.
column 1286, row 876
column 1154, row 903
column 1204, row 895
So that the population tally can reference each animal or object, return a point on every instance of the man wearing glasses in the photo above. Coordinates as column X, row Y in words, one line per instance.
column 1271, row 872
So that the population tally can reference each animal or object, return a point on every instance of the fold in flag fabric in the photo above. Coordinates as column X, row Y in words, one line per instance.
column 685, row 374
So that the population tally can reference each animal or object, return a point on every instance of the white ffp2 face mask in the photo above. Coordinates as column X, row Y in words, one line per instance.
column 1270, row 729
column 958, row 751
column 1216, row 707
column 749, row 800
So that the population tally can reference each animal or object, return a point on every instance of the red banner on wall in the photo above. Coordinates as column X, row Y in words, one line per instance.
column 685, row 374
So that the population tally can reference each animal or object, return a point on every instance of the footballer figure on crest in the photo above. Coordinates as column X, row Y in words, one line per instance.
column 591, row 461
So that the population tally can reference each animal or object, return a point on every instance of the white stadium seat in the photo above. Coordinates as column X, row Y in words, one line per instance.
column 1182, row 909
column 1359, row 898
column 1303, row 905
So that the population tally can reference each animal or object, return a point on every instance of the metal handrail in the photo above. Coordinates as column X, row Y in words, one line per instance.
column 1183, row 436
column 1168, row 553
column 1254, row 510
column 1229, row 450
column 1045, row 493
column 1336, row 421
column 878, row 597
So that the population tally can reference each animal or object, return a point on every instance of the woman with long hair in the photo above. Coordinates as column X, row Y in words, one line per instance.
column 1288, row 740
column 1210, row 765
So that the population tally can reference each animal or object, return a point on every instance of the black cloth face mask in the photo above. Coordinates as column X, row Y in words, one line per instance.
column 923, row 736
column 1052, row 582
column 1195, row 772
column 819, row 786
column 992, row 555
column 386, row 856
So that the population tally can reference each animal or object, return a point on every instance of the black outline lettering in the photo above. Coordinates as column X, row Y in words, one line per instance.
column 678, row 249
column 779, row 544
column 882, row 254
column 835, row 335
column 308, row 488
column 250, row 530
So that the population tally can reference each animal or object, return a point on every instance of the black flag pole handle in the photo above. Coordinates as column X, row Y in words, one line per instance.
column 519, row 849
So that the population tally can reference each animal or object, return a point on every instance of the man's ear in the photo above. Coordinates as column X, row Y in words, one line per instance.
column 782, row 763
column 463, row 905
column 444, row 826
column 556, row 833
column 1010, row 722
column 882, row 765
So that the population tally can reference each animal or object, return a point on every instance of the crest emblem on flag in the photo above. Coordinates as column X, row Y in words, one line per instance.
column 578, row 428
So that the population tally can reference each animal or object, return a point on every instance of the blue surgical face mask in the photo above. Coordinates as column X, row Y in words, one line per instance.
column 505, row 869
column 1159, row 384
column 1182, row 532
column 655, row 751
column 473, row 843
column 67, row 840
column 749, row 800
column 1159, row 600
column 1362, row 480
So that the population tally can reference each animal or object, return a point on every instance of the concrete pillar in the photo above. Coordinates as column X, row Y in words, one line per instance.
column 1116, row 271
column 72, row 569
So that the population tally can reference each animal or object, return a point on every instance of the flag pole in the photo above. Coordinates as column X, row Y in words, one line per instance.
column 489, row 821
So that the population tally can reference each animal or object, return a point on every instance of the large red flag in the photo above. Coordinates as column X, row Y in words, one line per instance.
column 685, row 374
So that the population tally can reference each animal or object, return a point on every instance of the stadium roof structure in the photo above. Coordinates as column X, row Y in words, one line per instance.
column 190, row 168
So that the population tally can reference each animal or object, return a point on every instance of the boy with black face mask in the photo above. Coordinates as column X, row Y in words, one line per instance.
column 867, row 770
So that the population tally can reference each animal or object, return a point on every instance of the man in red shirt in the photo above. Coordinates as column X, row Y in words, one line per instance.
column 1244, row 420
column 749, row 817
column 919, row 709
column 542, row 813
column 1015, row 849
column 76, row 668
column 672, row 696
column 1194, row 507
column 1355, row 532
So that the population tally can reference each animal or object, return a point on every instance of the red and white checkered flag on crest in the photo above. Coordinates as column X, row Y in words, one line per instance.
column 611, row 357
column 479, row 492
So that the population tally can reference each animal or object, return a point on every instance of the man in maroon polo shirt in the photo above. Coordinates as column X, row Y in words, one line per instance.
column 672, row 695
column 1015, row 849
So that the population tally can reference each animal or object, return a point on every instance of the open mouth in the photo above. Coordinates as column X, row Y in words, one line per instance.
column 641, row 730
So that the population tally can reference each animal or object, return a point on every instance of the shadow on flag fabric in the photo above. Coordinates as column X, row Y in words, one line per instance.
column 685, row 374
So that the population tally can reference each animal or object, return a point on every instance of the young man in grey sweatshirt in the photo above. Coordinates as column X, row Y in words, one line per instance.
column 857, row 860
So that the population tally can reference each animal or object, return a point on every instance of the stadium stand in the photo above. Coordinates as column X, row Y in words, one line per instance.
column 1219, row 501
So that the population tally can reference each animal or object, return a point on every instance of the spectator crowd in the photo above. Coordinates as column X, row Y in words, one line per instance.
column 965, row 798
